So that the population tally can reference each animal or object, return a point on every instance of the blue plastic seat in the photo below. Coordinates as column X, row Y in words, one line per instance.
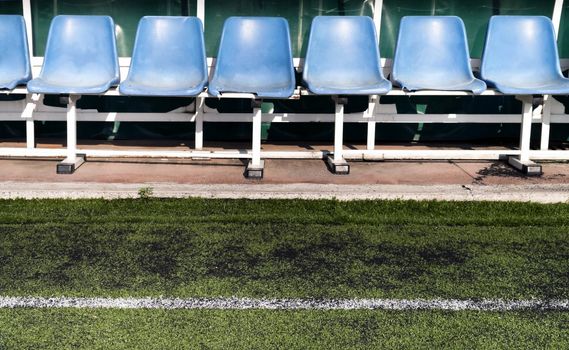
column 254, row 57
column 343, row 57
column 80, row 57
column 14, row 58
column 432, row 54
column 168, row 58
column 520, row 56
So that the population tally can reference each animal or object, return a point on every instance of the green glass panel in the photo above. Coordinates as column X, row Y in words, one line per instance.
column 299, row 14
column 126, row 14
column 10, row 7
column 564, row 33
column 475, row 15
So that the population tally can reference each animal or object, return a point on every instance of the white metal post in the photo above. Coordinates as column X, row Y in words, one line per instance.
column 377, row 11
column 523, row 162
column 72, row 129
column 199, row 123
column 72, row 160
column 339, row 133
column 27, row 13
column 256, row 147
column 30, row 134
column 546, row 115
column 338, row 164
column 255, row 168
column 556, row 17
column 371, row 135
column 28, row 116
column 546, row 123
column 371, row 125
column 525, row 130
column 200, row 11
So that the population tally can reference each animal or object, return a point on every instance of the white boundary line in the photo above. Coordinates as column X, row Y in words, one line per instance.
column 284, row 304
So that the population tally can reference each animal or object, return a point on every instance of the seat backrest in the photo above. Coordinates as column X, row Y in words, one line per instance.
column 169, row 51
column 520, row 50
column 255, row 56
column 14, row 57
column 81, row 49
column 342, row 51
column 432, row 51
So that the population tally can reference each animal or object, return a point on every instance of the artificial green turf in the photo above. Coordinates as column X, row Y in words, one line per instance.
column 156, row 329
column 279, row 248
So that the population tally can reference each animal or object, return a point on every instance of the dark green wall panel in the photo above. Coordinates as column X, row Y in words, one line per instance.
column 126, row 14
column 564, row 32
column 11, row 7
column 299, row 13
column 475, row 15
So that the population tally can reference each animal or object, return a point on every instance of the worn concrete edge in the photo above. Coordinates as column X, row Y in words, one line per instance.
column 538, row 193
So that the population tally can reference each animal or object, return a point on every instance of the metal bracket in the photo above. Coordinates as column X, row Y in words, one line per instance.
column 64, row 99
column 340, row 100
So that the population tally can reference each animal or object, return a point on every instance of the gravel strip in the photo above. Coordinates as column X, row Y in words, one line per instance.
column 538, row 193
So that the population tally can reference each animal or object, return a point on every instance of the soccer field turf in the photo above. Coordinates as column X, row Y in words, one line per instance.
column 283, row 249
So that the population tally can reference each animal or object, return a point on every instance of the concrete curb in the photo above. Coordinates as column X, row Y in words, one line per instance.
column 557, row 193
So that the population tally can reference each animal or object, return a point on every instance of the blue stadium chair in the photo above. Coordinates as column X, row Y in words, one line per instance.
column 343, row 57
column 520, row 56
column 168, row 58
column 15, row 57
column 80, row 57
column 432, row 54
column 254, row 57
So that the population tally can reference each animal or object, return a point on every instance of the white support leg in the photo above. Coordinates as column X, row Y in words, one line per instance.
column 256, row 165
column 199, row 123
column 546, row 123
column 556, row 16
column 72, row 129
column 73, row 160
column 371, row 125
column 525, row 130
column 337, row 164
column 30, row 134
column 523, row 162
column 28, row 116
column 339, row 133
column 256, row 148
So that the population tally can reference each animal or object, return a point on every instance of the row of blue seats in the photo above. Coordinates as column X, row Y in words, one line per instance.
column 169, row 59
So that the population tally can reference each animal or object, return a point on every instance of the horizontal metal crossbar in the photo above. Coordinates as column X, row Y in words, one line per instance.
column 299, row 92
column 377, row 154
column 91, row 116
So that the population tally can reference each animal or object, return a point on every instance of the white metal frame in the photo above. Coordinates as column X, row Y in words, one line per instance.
column 32, row 109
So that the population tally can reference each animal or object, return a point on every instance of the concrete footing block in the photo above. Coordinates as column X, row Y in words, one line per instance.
column 528, row 168
column 255, row 171
column 338, row 168
column 67, row 166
